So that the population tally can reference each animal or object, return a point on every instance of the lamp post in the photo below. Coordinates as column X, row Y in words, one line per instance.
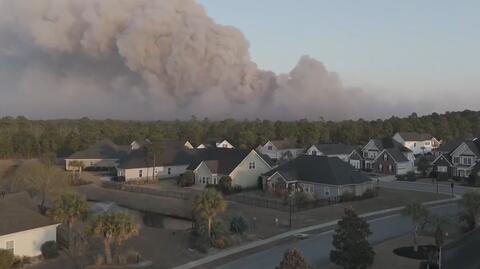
column 452, row 185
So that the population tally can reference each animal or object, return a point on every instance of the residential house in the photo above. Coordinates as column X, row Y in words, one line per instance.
column 284, row 149
column 465, row 157
column 387, row 156
column 346, row 153
column 447, row 147
column 321, row 177
column 139, row 164
column 442, row 167
column 102, row 155
column 244, row 166
column 419, row 143
column 23, row 230
column 213, row 143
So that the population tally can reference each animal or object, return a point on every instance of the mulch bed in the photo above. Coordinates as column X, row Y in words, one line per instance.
column 422, row 254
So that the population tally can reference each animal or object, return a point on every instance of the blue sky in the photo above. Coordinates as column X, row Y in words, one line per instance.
column 409, row 45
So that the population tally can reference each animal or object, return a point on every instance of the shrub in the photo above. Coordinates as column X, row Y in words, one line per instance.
column 6, row 259
column 301, row 199
column 187, row 179
column 370, row 193
column 348, row 196
column 99, row 260
column 49, row 250
column 401, row 177
column 222, row 242
column 225, row 184
column 238, row 225
column 411, row 176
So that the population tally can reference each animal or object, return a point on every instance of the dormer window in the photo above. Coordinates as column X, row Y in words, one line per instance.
column 251, row 165
column 270, row 147
column 314, row 152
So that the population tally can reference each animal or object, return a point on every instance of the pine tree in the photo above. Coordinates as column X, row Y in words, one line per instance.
column 352, row 249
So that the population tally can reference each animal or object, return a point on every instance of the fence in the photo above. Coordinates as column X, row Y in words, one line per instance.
column 144, row 190
column 278, row 204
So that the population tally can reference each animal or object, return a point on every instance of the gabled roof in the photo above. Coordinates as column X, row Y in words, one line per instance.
column 449, row 146
column 285, row 143
column 173, row 153
column 474, row 146
column 395, row 153
column 444, row 157
column 19, row 213
column 335, row 149
column 463, row 252
column 389, row 143
column 104, row 149
column 222, row 161
column 414, row 136
column 320, row 169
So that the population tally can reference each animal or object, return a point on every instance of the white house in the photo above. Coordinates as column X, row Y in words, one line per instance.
column 244, row 167
column 23, row 230
column 321, row 177
column 419, row 143
column 346, row 153
column 281, row 149
column 214, row 143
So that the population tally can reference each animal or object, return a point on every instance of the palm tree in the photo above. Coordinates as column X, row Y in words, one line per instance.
column 419, row 215
column 113, row 228
column 67, row 209
column 207, row 206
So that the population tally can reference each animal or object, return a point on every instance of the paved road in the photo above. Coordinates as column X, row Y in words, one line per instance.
column 317, row 247
column 427, row 187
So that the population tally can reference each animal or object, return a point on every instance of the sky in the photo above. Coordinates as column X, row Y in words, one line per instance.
column 408, row 46
column 283, row 59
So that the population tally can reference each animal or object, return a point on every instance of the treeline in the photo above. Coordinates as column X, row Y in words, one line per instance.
column 23, row 138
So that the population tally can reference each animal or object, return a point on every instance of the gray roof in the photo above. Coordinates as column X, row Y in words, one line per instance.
column 335, row 149
column 413, row 136
column 104, row 149
column 320, row 169
column 397, row 155
column 222, row 161
column 474, row 146
column 285, row 143
column 19, row 213
column 389, row 143
column 462, row 253
column 449, row 146
column 173, row 153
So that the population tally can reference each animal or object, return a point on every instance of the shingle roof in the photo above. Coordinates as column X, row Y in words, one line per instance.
column 335, row 149
column 450, row 146
column 172, row 154
column 474, row 146
column 104, row 149
column 222, row 160
column 285, row 143
column 462, row 253
column 388, row 143
column 413, row 136
column 19, row 213
column 397, row 155
column 320, row 169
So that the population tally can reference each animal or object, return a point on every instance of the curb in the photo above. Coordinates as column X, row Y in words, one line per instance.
column 274, row 238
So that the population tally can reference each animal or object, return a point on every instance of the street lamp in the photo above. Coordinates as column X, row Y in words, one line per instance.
column 452, row 185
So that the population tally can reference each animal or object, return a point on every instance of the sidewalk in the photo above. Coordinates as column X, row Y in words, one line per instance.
column 278, row 237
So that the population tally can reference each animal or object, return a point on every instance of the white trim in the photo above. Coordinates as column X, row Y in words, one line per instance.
column 441, row 155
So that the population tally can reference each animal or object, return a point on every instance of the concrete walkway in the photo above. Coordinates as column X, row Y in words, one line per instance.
column 331, row 224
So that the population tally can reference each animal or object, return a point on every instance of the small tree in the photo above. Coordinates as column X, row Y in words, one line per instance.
column 293, row 259
column 207, row 205
column 187, row 179
column 6, row 259
column 225, row 184
column 352, row 249
column 68, row 208
column 471, row 205
column 419, row 216
column 424, row 166
column 113, row 228
column 238, row 225
column 49, row 250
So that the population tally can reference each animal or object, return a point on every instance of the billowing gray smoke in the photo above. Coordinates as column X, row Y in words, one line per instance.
column 150, row 59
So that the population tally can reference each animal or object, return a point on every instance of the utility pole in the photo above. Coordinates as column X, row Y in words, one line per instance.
column 291, row 208
column 452, row 185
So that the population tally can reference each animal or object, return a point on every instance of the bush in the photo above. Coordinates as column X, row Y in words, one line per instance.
column 187, row 179
column 222, row 243
column 225, row 185
column 6, row 259
column 411, row 176
column 370, row 193
column 301, row 199
column 347, row 197
column 238, row 225
column 49, row 250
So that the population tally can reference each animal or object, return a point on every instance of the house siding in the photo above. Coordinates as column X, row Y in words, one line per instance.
column 28, row 243
column 248, row 178
column 97, row 163
column 147, row 172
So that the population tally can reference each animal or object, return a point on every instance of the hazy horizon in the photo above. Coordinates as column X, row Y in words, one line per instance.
column 167, row 59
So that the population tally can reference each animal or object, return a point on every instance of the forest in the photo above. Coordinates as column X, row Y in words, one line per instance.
column 24, row 138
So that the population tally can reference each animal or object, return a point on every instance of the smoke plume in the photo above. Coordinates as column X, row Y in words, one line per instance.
column 151, row 59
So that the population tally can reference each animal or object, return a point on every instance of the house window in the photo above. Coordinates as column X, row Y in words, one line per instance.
column 427, row 143
column 251, row 165
column 390, row 168
column 204, row 180
column 169, row 171
column 314, row 152
column 380, row 167
column 91, row 163
column 140, row 173
column 10, row 246
column 456, row 160
column 270, row 147
column 327, row 191
column 365, row 154
column 385, row 157
column 442, row 169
